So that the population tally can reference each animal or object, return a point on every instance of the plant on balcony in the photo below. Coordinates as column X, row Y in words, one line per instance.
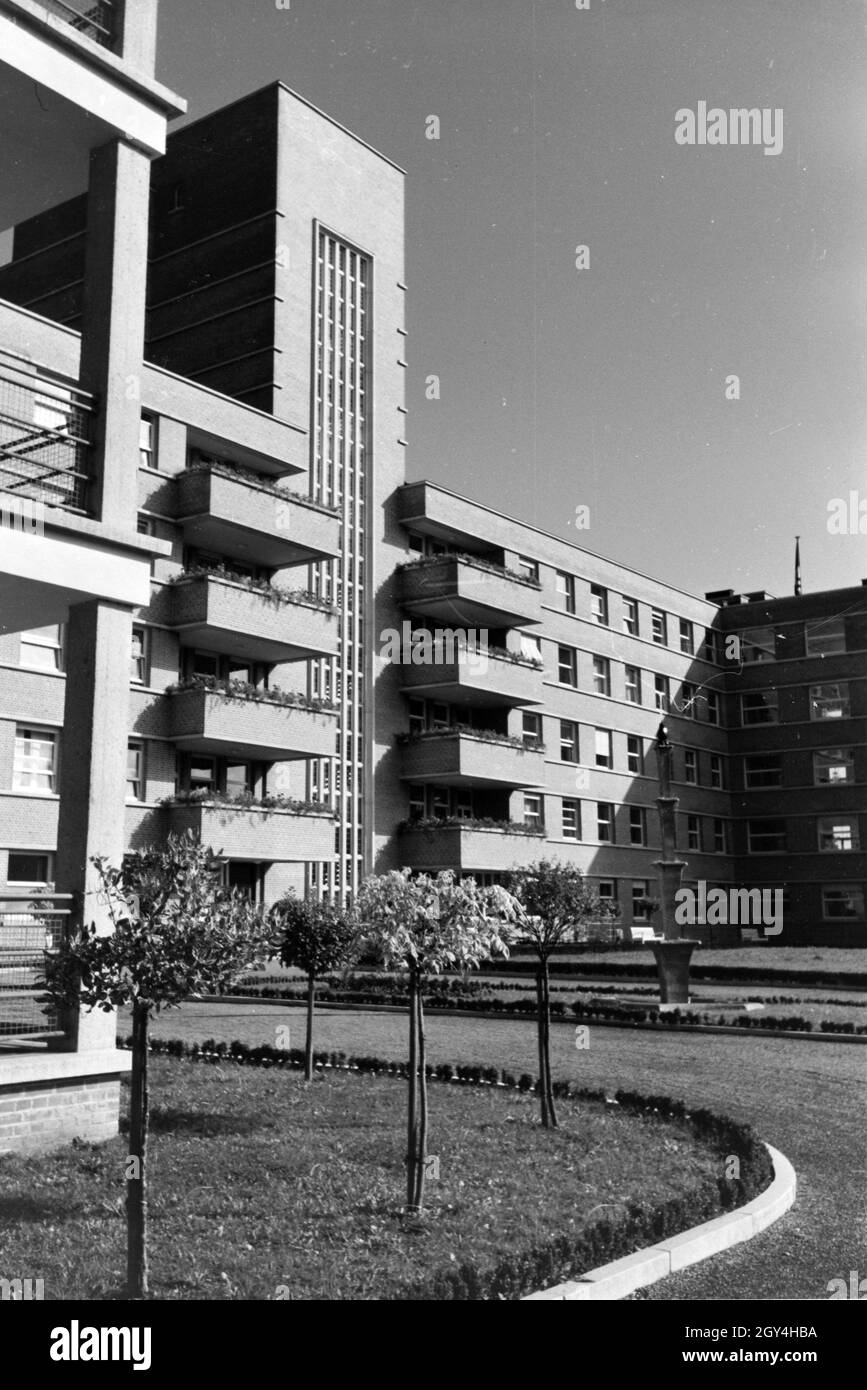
column 246, row 690
column 519, row 658
column 246, row 801
column 178, row 933
column 428, row 562
column 556, row 899
column 428, row 824
column 238, row 473
column 314, row 937
column 263, row 587
column 485, row 735
column 424, row 926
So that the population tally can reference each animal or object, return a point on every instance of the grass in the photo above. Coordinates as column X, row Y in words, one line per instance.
column 265, row 1187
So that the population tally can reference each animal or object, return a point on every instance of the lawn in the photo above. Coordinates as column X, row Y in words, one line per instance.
column 266, row 1187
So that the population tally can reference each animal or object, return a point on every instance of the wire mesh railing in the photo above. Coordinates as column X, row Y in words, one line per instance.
column 45, row 437
column 31, row 925
column 98, row 20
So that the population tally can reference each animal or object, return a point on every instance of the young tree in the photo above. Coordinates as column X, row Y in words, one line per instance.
column 556, row 899
column 313, row 937
column 177, row 933
column 426, row 925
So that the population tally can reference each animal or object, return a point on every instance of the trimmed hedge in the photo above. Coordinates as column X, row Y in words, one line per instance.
column 564, row 1256
column 721, row 974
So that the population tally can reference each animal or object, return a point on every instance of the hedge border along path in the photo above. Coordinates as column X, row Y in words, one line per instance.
column 622, row 1277
column 673, row 1248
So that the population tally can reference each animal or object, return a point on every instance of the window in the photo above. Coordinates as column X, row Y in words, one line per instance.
column 571, row 819
column 139, row 659
column 766, row 836
column 716, row 771
column 416, row 803
column 759, row 707
column 710, row 646
column 833, row 765
column 441, row 803
column 531, row 730
column 658, row 627
column 602, row 675
column 633, row 685
column 825, row 638
column 415, row 543
column 687, row 700
column 533, row 811
column 134, row 772
column 528, row 569
column 842, row 902
column 34, row 765
column 763, row 770
column 660, row 693
column 531, row 647
column 238, row 779
column 203, row 774
column 693, row 832
column 417, row 718
column 838, row 833
column 634, row 754
column 146, row 440
column 630, row 616
column 712, row 707
column 440, row 716
column 605, row 822
column 568, row 741
column 637, row 825
column 829, row 701
column 28, row 870
column 603, row 748
column 686, row 638
column 599, row 604
column 566, row 592
column 42, row 648
column 758, row 644
column 719, row 836
column 567, row 666
column 690, row 766
column 463, row 803
column 606, row 891
column 640, row 899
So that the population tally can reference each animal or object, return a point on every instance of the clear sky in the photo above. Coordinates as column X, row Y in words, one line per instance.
column 606, row 386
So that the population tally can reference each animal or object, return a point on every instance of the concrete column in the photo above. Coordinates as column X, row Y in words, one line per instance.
column 113, row 322
column 138, row 38
column 93, row 774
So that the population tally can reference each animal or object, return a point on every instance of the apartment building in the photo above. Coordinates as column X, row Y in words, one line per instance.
column 211, row 544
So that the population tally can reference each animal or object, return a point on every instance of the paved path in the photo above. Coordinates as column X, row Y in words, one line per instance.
column 809, row 1100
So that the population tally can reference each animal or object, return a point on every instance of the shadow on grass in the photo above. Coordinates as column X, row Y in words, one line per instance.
column 170, row 1120
column 36, row 1209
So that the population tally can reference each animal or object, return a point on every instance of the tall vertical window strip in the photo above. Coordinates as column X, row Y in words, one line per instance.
column 340, row 477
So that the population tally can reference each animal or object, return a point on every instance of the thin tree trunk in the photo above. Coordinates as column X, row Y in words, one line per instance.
column 136, row 1190
column 412, row 1109
column 308, row 1047
column 540, row 1039
column 552, row 1122
column 421, row 1140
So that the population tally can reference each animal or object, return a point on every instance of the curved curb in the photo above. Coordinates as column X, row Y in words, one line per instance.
column 623, row 1277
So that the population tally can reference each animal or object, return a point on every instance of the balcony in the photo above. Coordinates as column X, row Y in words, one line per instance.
column 461, row 591
column 31, row 923
column 235, row 514
column 209, row 721
column 482, row 678
column 455, row 758
column 470, row 848
column 45, row 437
column 258, row 834
column 223, row 615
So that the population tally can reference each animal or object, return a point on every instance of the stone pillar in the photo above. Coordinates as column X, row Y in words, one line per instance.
column 113, row 323
column 93, row 775
column 138, row 37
